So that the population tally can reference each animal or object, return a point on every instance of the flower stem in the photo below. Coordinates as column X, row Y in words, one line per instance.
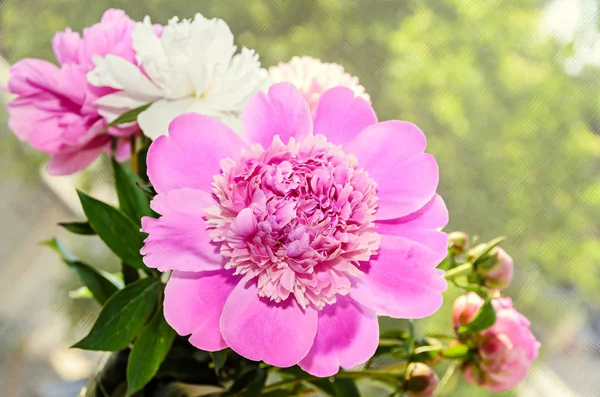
column 134, row 159
column 462, row 270
column 341, row 375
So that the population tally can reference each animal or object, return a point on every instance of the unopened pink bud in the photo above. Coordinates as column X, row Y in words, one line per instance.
column 420, row 380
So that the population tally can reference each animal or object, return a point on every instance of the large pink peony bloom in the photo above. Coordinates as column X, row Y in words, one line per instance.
column 288, row 241
column 313, row 77
column 504, row 351
column 54, row 108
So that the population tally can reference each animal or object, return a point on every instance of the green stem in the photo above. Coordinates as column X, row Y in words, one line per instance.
column 462, row 270
column 446, row 380
column 134, row 158
column 340, row 375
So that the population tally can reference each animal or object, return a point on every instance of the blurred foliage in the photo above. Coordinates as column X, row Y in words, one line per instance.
column 516, row 137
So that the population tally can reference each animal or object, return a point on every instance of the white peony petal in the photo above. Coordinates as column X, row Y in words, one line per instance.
column 191, row 67
column 150, row 53
column 130, row 78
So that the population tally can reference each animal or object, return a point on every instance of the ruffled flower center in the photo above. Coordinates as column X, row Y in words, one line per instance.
column 298, row 217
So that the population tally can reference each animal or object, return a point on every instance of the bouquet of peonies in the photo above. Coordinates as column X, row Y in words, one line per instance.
column 266, row 219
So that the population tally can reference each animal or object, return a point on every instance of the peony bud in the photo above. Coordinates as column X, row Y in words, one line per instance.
column 420, row 380
column 504, row 351
column 457, row 242
column 495, row 268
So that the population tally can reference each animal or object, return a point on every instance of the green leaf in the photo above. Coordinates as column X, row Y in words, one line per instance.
column 127, row 117
column 219, row 359
column 250, row 382
column 115, row 228
column 81, row 293
column 337, row 387
column 101, row 284
column 132, row 200
column 123, row 316
column 82, row 228
column 457, row 351
column 449, row 381
column 147, row 189
column 488, row 247
column 148, row 353
column 485, row 318
column 130, row 274
column 60, row 249
column 178, row 389
column 142, row 164
column 280, row 393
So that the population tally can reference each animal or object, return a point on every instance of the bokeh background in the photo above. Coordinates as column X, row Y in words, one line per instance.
column 507, row 92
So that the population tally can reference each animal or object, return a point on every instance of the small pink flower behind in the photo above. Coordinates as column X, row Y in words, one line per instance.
column 313, row 77
column 287, row 242
column 54, row 110
column 504, row 351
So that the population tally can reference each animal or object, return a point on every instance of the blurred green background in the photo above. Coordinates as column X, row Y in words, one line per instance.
column 507, row 93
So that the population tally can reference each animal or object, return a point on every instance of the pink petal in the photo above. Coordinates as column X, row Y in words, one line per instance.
column 401, row 281
column 347, row 335
column 421, row 226
column 190, row 155
column 340, row 116
column 66, row 163
column 279, row 334
column 283, row 111
column 178, row 240
column 392, row 153
column 66, row 46
column 193, row 305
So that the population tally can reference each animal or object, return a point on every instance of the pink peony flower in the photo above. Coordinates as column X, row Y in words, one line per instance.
column 313, row 77
column 287, row 242
column 504, row 351
column 54, row 108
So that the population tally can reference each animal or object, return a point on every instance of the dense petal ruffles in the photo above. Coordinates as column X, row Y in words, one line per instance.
column 279, row 334
column 190, row 155
column 402, row 280
column 178, row 240
column 193, row 305
column 347, row 335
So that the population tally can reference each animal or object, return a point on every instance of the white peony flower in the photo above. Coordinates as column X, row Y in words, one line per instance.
column 191, row 67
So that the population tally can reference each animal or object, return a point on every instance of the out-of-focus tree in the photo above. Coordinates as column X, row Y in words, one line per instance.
column 516, row 137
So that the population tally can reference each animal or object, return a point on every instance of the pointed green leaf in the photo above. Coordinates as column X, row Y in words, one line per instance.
column 127, row 117
column 149, row 351
column 249, row 383
column 130, row 274
column 337, row 387
column 178, row 389
column 489, row 246
column 116, row 229
column 82, row 228
column 101, row 284
column 132, row 200
column 219, row 358
column 484, row 318
column 123, row 316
